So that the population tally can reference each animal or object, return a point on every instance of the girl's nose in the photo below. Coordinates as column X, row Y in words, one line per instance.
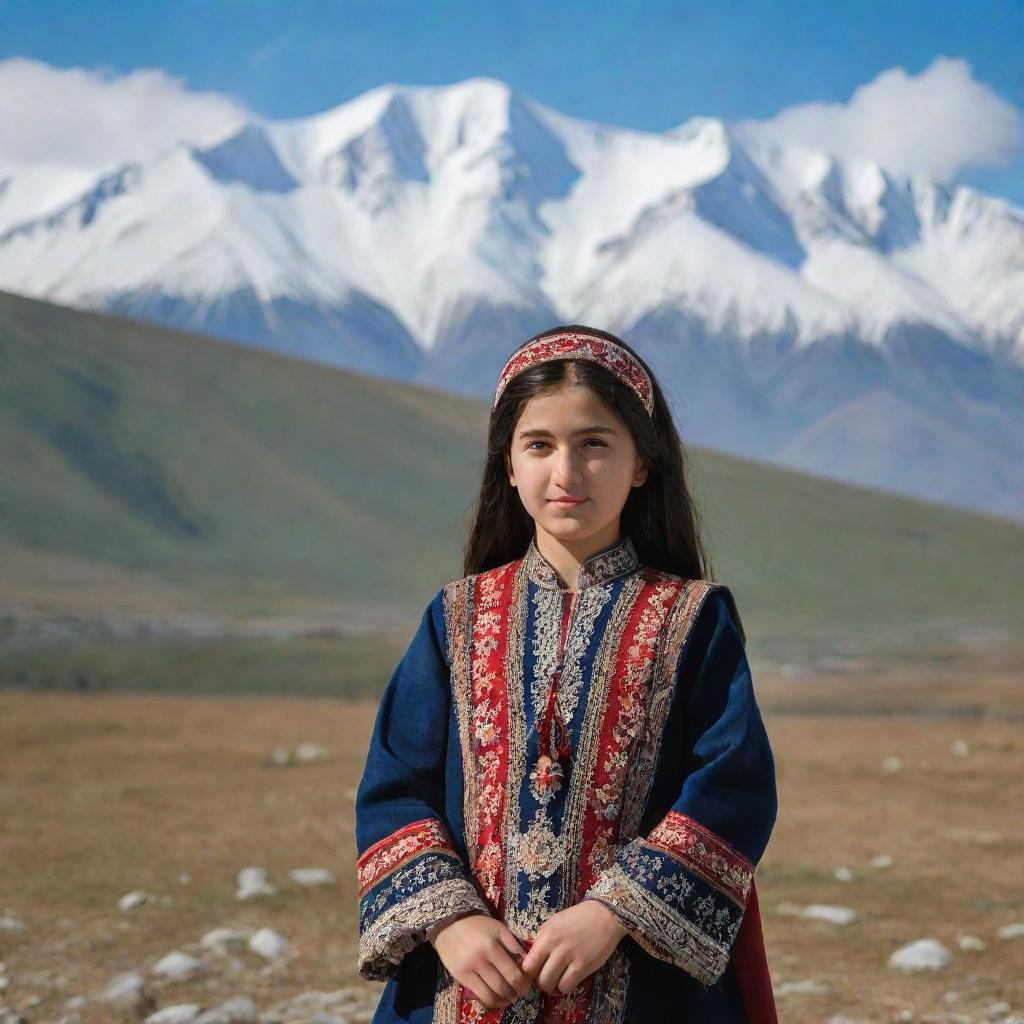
column 565, row 470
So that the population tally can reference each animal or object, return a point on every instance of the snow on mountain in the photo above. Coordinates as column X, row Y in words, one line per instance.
column 422, row 232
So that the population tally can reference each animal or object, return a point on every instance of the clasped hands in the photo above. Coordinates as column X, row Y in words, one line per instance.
column 490, row 962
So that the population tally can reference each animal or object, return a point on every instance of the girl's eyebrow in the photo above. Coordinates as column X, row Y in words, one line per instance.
column 537, row 432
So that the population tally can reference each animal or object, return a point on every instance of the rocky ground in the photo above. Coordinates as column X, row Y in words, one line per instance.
column 191, row 860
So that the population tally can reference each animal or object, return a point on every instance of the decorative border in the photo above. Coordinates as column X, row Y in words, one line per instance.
column 580, row 345
column 408, row 881
column 632, row 685
column 705, row 853
column 400, row 847
column 602, row 567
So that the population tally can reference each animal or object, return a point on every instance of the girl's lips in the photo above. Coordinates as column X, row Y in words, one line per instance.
column 567, row 501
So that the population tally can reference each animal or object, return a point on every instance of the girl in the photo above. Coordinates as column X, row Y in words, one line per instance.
column 569, row 784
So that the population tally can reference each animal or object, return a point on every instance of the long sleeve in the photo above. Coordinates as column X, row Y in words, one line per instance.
column 682, row 889
column 410, row 875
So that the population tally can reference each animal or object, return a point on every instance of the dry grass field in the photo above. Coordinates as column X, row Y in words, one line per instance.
column 108, row 793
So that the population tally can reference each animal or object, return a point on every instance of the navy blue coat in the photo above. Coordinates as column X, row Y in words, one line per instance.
column 537, row 746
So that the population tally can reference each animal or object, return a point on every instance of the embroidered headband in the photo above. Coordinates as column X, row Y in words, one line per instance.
column 580, row 345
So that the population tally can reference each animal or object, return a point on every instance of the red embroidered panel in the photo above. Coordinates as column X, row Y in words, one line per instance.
column 705, row 853
column 401, row 846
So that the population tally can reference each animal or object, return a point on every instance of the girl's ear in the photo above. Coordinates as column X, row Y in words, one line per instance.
column 508, row 470
column 640, row 474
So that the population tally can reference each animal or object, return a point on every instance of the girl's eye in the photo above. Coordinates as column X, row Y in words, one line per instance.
column 599, row 443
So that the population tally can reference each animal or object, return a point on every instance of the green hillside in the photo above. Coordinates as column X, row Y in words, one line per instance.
column 155, row 469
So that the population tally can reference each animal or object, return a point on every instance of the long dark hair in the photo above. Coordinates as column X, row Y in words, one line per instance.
column 660, row 516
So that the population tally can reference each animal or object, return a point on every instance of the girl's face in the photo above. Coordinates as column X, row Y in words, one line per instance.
column 568, row 443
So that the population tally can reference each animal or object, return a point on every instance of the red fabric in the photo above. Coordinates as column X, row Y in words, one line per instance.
column 751, row 966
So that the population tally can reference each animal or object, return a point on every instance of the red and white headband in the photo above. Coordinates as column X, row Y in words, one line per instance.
column 580, row 345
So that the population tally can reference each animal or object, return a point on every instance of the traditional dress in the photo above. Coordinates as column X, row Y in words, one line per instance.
column 538, row 746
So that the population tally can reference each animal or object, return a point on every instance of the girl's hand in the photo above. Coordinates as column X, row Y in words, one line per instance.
column 478, row 951
column 570, row 945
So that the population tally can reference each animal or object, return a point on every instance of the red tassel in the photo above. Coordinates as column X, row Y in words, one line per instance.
column 550, row 710
column 563, row 738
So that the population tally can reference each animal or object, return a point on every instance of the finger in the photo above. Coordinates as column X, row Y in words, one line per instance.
column 483, row 993
column 533, row 962
column 511, row 943
column 550, row 974
column 569, row 980
column 511, row 971
column 490, row 973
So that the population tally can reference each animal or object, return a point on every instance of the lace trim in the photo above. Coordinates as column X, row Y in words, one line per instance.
column 391, row 935
column 682, row 893
column 606, row 565
column 658, row 928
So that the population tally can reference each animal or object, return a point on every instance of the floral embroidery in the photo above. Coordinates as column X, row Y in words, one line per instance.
column 567, row 344
column 540, row 850
column 540, row 835
column 408, row 881
column 547, row 776
column 704, row 853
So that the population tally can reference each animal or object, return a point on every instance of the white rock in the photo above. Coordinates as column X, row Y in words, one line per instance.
column 951, row 997
column 881, row 860
column 789, row 909
column 135, row 898
column 280, row 755
column 127, row 992
column 310, row 752
column 312, row 876
column 844, row 874
column 920, row 955
column 178, row 966
column 986, row 837
column 343, row 1001
column 184, row 878
column 1011, row 931
column 11, row 924
column 997, row 1011
column 809, row 987
column 905, row 1017
column 892, row 764
column 182, row 1013
column 971, row 942
column 830, row 913
column 239, row 1010
column 4, row 982
column 268, row 943
column 253, row 882
column 959, row 748
column 219, row 939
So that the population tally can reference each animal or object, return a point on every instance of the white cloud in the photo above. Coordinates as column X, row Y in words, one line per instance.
column 95, row 118
column 938, row 123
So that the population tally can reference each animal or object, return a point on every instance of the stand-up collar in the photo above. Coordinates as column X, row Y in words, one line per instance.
column 609, row 564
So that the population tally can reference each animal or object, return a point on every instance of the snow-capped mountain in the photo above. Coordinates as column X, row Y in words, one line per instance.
column 817, row 312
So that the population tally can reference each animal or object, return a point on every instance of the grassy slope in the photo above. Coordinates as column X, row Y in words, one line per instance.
column 250, row 480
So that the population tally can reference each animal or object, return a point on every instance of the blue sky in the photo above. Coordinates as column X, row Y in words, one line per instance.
column 648, row 65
